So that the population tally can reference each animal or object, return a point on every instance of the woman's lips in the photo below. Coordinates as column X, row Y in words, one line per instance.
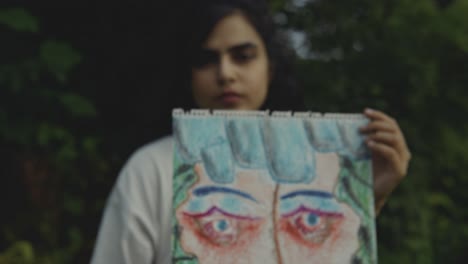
column 230, row 98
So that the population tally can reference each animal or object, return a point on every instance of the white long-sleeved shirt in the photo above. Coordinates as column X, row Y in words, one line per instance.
column 136, row 225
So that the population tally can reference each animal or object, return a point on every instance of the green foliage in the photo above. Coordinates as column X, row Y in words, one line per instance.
column 77, row 105
column 20, row 252
column 18, row 19
column 60, row 58
column 39, row 114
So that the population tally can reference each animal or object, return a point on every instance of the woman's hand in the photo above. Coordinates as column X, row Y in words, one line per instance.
column 390, row 154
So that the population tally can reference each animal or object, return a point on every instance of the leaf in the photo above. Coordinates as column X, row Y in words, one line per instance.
column 59, row 58
column 442, row 200
column 90, row 146
column 47, row 133
column 3, row 122
column 77, row 105
column 19, row 252
column 76, row 239
column 18, row 19
column 73, row 205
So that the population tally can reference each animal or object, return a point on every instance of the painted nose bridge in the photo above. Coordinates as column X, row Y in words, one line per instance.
column 275, row 219
column 226, row 69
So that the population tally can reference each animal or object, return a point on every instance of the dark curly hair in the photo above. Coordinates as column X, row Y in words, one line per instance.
column 202, row 15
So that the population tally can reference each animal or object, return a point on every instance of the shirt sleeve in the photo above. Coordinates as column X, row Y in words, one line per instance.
column 136, row 212
column 122, row 236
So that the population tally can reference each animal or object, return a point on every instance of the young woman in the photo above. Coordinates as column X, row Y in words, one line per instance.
column 236, row 62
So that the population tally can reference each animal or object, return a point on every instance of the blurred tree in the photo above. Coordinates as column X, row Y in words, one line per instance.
column 43, row 152
column 69, row 118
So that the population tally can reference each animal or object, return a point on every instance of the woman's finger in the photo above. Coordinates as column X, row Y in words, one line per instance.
column 378, row 115
column 390, row 139
column 394, row 140
column 387, row 152
column 378, row 125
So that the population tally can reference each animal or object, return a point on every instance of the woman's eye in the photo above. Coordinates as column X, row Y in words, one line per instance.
column 244, row 56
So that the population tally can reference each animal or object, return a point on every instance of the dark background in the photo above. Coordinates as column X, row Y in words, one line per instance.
column 83, row 85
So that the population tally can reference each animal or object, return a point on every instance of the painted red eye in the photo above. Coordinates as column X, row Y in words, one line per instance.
column 220, row 228
column 308, row 222
column 222, row 231
column 311, row 227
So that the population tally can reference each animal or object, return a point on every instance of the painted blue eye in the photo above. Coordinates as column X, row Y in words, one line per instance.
column 312, row 219
column 221, row 225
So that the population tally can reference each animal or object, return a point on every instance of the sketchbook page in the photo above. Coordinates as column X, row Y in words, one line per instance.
column 255, row 187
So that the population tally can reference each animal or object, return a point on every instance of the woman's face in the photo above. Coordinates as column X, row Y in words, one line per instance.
column 232, row 69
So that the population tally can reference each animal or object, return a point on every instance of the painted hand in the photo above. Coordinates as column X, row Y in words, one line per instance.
column 390, row 154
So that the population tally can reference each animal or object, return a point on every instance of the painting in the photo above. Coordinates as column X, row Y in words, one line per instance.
column 281, row 187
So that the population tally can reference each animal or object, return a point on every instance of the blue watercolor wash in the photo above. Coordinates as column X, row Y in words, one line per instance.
column 289, row 156
column 206, row 190
column 323, row 134
column 246, row 142
column 329, row 205
column 197, row 205
column 228, row 202
column 193, row 133
column 353, row 139
column 217, row 160
column 232, row 203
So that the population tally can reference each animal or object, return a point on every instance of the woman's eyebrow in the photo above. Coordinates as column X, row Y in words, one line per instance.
column 242, row 47
column 234, row 48
column 206, row 190
column 208, row 52
column 321, row 194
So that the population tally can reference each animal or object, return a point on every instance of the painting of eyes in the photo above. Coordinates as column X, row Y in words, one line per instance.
column 310, row 227
column 279, row 188
column 220, row 228
column 222, row 231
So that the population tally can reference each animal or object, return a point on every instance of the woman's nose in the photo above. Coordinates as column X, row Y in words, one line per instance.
column 226, row 71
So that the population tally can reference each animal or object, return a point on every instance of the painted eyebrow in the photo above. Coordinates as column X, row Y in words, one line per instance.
column 206, row 190
column 315, row 193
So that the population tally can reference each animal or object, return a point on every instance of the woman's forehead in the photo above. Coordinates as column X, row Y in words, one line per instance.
column 231, row 31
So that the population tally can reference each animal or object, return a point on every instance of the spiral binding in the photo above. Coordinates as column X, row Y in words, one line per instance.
column 267, row 113
column 241, row 113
